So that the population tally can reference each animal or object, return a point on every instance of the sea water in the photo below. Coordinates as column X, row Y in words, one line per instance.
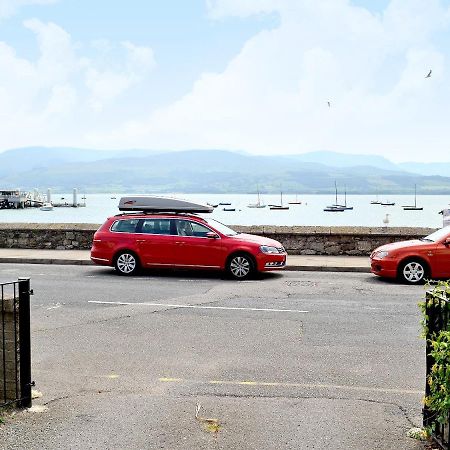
column 309, row 212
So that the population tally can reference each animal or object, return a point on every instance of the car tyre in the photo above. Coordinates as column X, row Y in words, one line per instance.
column 126, row 263
column 240, row 266
column 413, row 271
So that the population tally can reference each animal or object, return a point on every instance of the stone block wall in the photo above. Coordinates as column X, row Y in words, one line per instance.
column 333, row 241
column 47, row 236
column 9, row 349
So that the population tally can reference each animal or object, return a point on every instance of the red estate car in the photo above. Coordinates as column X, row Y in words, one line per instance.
column 132, row 241
column 414, row 261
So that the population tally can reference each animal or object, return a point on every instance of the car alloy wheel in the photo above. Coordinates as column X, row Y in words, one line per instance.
column 126, row 264
column 240, row 267
column 413, row 272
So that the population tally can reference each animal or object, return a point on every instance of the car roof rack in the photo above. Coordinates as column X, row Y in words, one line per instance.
column 151, row 204
column 155, row 213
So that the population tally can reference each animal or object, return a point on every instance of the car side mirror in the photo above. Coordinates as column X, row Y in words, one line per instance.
column 212, row 235
column 446, row 242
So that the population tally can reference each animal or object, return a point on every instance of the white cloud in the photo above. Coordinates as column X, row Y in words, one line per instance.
column 55, row 98
column 107, row 85
column 9, row 7
column 272, row 97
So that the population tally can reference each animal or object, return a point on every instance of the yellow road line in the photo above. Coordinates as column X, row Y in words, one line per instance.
column 295, row 385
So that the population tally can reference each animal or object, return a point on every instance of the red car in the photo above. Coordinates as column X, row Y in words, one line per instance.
column 132, row 241
column 414, row 261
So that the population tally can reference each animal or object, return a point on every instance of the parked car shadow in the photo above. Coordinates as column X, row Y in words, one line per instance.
column 171, row 274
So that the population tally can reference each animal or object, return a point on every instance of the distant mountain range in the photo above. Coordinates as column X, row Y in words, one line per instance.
column 215, row 171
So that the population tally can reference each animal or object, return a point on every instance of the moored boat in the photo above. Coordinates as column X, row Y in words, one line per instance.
column 280, row 206
column 334, row 208
column 258, row 204
column 413, row 207
column 296, row 201
column 46, row 207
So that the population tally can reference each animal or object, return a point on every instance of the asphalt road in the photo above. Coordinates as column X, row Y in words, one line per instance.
column 294, row 360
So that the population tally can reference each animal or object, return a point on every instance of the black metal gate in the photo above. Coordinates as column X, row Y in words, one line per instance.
column 437, row 312
column 15, row 343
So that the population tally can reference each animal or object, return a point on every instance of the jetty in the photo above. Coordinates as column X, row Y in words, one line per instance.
column 18, row 199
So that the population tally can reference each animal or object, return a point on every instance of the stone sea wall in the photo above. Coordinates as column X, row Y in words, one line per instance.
column 333, row 241
column 56, row 236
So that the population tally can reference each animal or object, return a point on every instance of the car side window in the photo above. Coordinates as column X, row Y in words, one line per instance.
column 188, row 228
column 125, row 226
column 156, row 226
column 199, row 230
column 184, row 228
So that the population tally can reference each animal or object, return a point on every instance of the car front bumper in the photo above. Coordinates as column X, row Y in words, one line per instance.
column 386, row 268
column 266, row 262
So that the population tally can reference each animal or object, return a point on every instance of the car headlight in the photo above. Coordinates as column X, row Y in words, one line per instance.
column 382, row 254
column 268, row 249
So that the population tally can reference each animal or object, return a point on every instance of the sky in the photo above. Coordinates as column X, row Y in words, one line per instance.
column 258, row 76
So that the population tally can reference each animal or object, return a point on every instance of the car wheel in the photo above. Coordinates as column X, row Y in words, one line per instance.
column 240, row 266
column 413, row 271
column 126, row 263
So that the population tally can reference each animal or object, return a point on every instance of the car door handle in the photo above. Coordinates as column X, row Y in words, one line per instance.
column 140, row 241
column 179, row 242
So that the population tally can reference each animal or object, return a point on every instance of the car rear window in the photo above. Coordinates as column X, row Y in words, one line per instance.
column 125, row 226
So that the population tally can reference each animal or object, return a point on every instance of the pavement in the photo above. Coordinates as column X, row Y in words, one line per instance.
column 81, row 257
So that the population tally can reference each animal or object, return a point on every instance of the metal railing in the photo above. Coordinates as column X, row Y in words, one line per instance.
column 437, row 319
column 15, row 343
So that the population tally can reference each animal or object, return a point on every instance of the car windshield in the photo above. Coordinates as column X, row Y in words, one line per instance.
column 221, row 228
column 437, row 235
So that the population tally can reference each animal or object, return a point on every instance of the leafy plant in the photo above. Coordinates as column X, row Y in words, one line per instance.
column 439, row 378
column 438, row 400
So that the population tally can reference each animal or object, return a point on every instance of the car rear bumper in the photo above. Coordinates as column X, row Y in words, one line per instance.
column 101, row 261
column 383, row 268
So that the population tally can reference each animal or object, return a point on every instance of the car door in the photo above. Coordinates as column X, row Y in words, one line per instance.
column 194, row 249
column 441, row 260
column 155, row 242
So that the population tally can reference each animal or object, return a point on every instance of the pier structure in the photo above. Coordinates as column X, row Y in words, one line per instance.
column 64, row 204
column 17, row 199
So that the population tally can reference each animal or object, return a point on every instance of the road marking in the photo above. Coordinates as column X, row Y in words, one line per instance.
column 294, row 385
column 173, row 305
column 184, row 280
column 58, row 305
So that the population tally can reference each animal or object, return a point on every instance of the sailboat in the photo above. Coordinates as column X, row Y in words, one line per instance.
column 415, row 207
column 375, row 202
column 345, row 201
column 335, row 207
column 297, row 202
column 280, row 206
column 258, row 204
